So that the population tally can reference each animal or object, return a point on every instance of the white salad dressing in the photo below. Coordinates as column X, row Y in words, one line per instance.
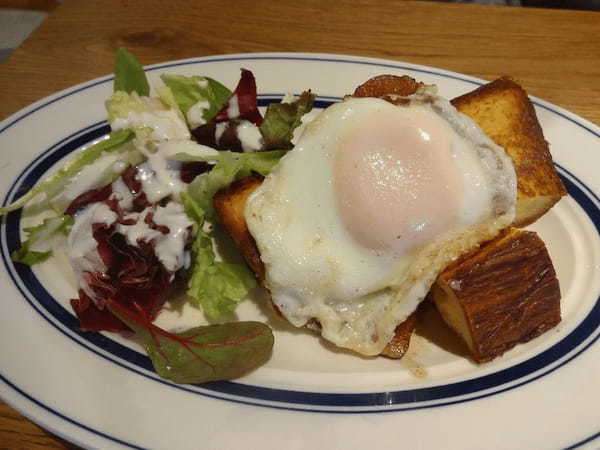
column 164, row 123
column 249, row 136
column 233, row 110
column 158, row 179
column 169, row 248
column 219, row 130
column 122, row 194
column 82, row 247
column 140, row 231
column 195, row 115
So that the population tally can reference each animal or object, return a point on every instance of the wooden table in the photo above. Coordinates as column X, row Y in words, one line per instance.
column 554, row 54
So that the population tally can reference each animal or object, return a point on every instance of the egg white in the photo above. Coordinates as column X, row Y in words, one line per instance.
column 316, row 269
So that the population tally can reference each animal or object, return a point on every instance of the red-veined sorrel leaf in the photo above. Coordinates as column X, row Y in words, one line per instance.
column 205, row 353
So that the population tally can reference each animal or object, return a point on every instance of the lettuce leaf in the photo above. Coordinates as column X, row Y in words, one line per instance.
column 215, row 286
column 148, row 117
column 201, row 354
column 129, row 74
column 37, row 246
column 53, row 185
column 281, row 119
column 218, row 286
column 209, row 95
column 229, row 167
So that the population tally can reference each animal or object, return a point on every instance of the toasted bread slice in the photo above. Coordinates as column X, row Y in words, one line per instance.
column 229, row 204
column 504, row 112
column 500, row 295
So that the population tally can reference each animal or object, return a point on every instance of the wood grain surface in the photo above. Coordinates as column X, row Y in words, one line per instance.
column 554, row 54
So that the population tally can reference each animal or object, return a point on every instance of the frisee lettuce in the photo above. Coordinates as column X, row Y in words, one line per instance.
column 37, row 246
column 53, row 185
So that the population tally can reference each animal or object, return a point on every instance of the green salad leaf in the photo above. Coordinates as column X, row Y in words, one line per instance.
column 121, row 103
column 129, row 74
column 53, row 185
column 229, row 167
column 201, row 354
column 281, row 119
column 36, row 248
column 218, row 286
column 215, row 286
column 190, row 91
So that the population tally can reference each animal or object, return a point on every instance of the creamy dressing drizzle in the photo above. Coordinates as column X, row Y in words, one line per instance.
column 165, row 124
column 158, row 179
column 249, row 136
column 195, row 115
column 233, row 110
column 219, row 130
column 169, row 248
column 83, row 248
column 122, row 194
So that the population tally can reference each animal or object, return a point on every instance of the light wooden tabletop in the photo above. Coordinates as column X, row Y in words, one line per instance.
column 553, row 54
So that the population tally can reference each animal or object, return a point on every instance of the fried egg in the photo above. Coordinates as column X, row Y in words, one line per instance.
column 374, row 201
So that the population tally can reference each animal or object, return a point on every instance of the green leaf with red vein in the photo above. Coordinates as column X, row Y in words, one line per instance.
column 201, row 354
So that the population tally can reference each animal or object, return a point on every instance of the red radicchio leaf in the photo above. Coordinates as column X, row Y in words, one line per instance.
column 134, row 278
column 245, row 92
column 88, row 197
column 228, row 139
column 191, row 170
column 91, row 318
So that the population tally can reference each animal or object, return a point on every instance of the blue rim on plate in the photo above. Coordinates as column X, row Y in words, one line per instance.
column 564, row 351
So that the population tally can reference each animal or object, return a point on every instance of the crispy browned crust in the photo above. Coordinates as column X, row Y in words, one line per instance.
column 504, row 112
column 389, row 87
column 229, row 204
column 399, row 344
column 503, row 294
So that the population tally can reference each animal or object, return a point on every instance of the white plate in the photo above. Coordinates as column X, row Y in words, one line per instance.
column 98, row 390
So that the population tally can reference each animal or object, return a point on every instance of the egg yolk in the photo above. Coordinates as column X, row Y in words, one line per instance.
column 394, row 180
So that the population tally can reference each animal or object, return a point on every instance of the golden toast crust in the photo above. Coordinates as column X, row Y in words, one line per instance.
column 504, row 112
column 229, row 204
